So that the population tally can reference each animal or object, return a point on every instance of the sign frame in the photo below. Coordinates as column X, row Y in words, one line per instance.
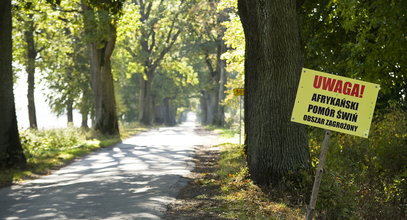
column 335, row 103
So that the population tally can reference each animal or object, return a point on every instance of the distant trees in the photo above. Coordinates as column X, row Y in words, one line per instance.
column 276, row 147
column 161, row 23
column 206, row 26
column 11, row 152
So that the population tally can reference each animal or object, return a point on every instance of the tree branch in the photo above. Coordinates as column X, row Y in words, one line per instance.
column 165, row 51
column 152, row 45
column 130, row 51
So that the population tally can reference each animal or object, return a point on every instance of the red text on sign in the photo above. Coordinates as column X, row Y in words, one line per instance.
column 338, row 86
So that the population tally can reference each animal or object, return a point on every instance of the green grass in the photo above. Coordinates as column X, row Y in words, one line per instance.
column 47, row 150
column 239, row 197
column 223, row 132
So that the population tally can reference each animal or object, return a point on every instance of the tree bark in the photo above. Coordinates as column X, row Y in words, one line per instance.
column 84, row 112
column 159, row 112
column 11, row 152
column 169, row 112
column 276, row 147
column 101, row 77
column 103, row 89
column 84, row 122
column 212, row 103
column 220, row 114
column 146, row 101
column 204, row 109
column 30, row 68
column 215, row 94
column 69, row 112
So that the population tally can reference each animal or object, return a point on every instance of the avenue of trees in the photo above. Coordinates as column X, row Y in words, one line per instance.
column 148, row 61
column 139, row 60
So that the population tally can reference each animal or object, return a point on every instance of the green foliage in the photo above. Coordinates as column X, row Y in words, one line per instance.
column 51, row 147
column 234, row 56
column 70, row 80
column 60, row 52
column 113, row 7
column 366, row 178
column 29, row 18
column 175, row 80
column 223, row 132
column 99, row 26
column 148, row 33
column 359, row 39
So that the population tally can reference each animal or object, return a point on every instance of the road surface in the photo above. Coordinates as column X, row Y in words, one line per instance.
column 133, row 180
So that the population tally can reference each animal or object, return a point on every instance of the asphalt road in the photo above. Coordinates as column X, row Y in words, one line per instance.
column 133, row 180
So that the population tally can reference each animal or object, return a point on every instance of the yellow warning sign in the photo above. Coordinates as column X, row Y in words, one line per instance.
column 335, row 103
column 238, row 92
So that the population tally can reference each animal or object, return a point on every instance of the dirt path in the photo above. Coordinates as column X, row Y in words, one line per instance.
column 193, row 201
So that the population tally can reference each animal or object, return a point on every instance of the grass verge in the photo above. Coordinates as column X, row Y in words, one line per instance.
column 47, row 150
column 239, row 198
column 223, row 132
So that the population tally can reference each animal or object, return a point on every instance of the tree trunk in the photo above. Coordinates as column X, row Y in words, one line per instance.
column 84, row 109
column 204, row 109
column 276, row 147
column 101, row 76
column 211, row 106
column 159, row 114
column 220, row 116
column 69, row 110
column 11, row 152
column 215, row 94
column 405, row 97
column 146, row 102
column 169, row 113
column 84, row 123
column 93, row 117
column 103, row 89
column 30, row 68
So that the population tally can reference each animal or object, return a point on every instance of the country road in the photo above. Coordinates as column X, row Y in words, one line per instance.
column 136, row 179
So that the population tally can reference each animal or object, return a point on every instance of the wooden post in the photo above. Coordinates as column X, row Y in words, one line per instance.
column 318, row 176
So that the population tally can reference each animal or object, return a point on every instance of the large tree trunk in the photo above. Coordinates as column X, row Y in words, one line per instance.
column 103, row 89
column 146, row 101
column 276, row 147
column 101, row 75
column 30, row 68
column 11, row 152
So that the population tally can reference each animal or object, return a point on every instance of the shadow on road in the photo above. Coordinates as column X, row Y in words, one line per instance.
column 133, row 180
